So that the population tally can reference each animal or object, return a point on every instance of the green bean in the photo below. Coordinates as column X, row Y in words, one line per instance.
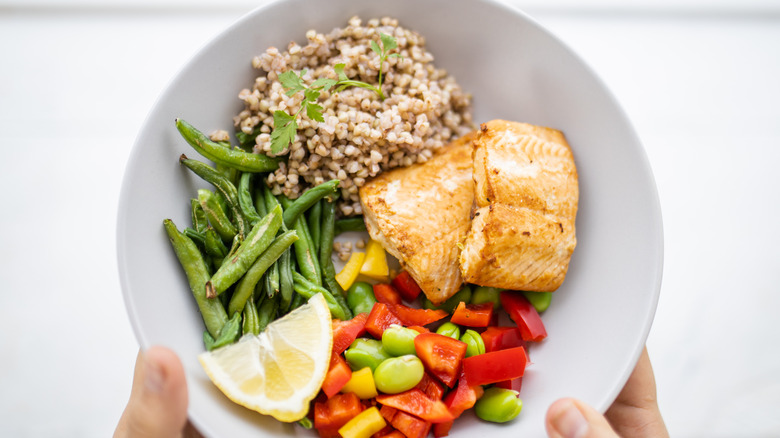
column 256, row 242
column 230, row 173
column 360, row 297
column 484, row 294
column 308, row 289
column 297, row 301
column 271, row 281
column 304, row 254
column 399, row 374
column 285, row 280
column 314, row 220
column 326, row 250
column 199, row 220
column 246, row 140
column 190, row 258
column 350, row 224
column 245, row 199
column 305, row 423
column 214, row 245
column 246, row 285
column 259, row 201
column 251, row 322
column 224, row 186
column 196, row 236
column 243, row 161
column 228, row 334
column 474, row 343
column 267, row 312
column 308, row 199
column 540, row 300
column 498, row 405
column 216, row 215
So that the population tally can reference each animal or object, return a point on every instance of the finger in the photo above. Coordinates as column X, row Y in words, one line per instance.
column 635, row 410
column 571, row 418
column 158, row 399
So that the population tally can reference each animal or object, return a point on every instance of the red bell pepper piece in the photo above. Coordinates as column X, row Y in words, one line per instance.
column 385, row 293
column 495, row 366
column 410, row 316
column 431, row 387
column 419, row 329
column 406, row 286
column 473, row 315
column 463, row 396
column 337, row 376
column 409, row 425
column 390, row 433
column 416, row 403
column 441, row 355
column 515, row 384
column 442, row 429
column 380, row 319
column 345, row 332
column 524, row 315
column 336, row 411
column 501, row 338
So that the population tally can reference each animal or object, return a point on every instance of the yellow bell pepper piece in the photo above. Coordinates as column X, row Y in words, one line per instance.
column 364, row 424
column 351, row 270
column 375, row 264
column 362, row 384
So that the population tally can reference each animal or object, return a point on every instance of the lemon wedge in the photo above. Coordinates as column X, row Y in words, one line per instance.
column 279, row 371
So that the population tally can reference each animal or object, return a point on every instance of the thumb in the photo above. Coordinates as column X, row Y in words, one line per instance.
column 158, row 399
column 571, row 418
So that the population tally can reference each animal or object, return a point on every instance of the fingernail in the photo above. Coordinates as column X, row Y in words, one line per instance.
column 153, row 376
column 570, row 423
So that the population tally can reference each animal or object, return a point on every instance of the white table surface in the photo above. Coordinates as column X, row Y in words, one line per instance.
column 701, row 88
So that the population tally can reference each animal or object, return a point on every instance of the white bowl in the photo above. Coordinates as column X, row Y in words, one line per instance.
column 516, row 70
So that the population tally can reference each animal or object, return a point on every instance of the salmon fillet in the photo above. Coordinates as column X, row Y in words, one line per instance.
column 526, row 196
column 420, row 214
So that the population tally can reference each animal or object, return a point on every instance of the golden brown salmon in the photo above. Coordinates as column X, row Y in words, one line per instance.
column 421, row 213
column 526, row 194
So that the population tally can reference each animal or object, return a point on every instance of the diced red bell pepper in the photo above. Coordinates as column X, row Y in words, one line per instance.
column 336, row 411
column 514, row 384
column 329, row 433
column 431, row 387
column 501, row 338
column 345, row 332
column 392, row 434
column 406, row 286
column 388, row 413
column 410, row 426
column 495, row 366
column 419, row 329
column 337, row 376
column 441, row 355
column 473, row 315
column 463, row 396
column 442, row 429
column 411, row 316
column 385, row 293
column 380, row 319
column 524, row 315
column 415, row 402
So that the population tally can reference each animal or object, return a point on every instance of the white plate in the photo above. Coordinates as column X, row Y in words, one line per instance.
column 516, row 70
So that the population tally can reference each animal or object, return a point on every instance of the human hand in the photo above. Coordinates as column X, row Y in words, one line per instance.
column 158, row 399
column 634, row 413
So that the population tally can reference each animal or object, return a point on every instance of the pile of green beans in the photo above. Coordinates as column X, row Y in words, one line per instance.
column 250, row 256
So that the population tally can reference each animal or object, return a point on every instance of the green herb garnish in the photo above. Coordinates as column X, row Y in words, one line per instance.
column 286, row 125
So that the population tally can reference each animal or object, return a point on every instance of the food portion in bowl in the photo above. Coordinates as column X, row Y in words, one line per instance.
column 359, row 121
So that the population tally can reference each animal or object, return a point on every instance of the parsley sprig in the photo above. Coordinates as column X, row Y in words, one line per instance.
column 286, row 125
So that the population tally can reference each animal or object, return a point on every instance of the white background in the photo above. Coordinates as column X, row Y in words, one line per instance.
column 699, row 79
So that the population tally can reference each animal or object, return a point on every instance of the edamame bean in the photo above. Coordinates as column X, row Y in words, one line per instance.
column 360, row 297
column 498, row 405
column 365, row 353
column 484, row 294
column 464, row 294
column 398, row 374
column 399, row 341
column 474, row 343
column 449, row 329
column 540, row 300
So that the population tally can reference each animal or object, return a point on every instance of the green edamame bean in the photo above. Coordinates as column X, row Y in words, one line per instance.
column 449, row 329
column 365, row 353
column 464, row 294
column 484, row 294
column 399, row 374
column 474, row 343
column 399, row 341
column 190, row 258
column 360, row 297
column 260, row 238
column 237, row 159
column 498, row 405
column 540, row 300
